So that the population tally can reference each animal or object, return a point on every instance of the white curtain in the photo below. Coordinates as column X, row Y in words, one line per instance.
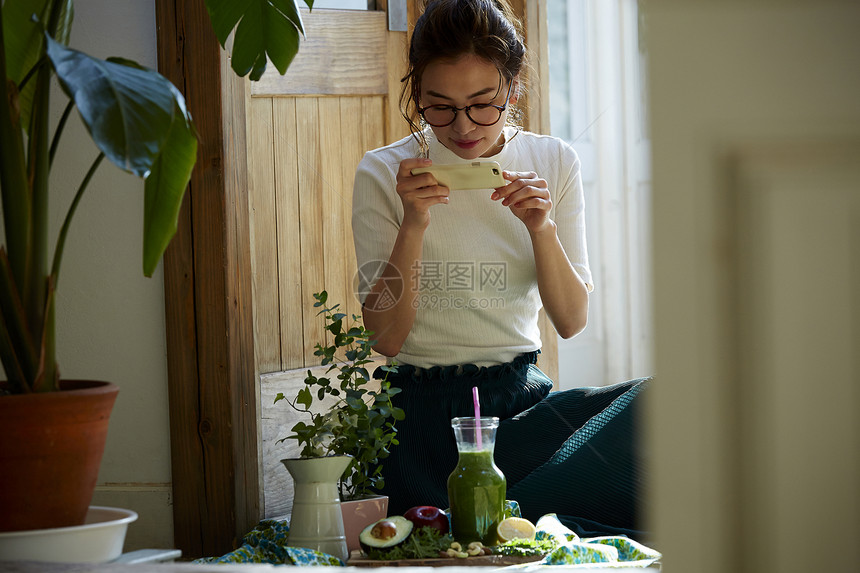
column 597, row 102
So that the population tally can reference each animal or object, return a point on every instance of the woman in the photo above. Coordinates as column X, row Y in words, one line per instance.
column 452, row 281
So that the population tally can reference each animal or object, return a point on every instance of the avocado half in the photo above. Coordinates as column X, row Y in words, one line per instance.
column 386, row 533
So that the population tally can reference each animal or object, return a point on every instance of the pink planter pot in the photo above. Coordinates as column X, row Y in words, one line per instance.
column 358, row 514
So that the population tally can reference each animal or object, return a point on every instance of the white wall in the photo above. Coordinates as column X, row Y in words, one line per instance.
column 110, row 318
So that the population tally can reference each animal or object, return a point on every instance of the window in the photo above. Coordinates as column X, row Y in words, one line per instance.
column 597, row 103
column 346, row 4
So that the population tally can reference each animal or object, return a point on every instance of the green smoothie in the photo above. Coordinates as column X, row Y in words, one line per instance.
column 476, row 494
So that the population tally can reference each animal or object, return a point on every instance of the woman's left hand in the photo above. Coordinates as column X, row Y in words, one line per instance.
column 527, row 195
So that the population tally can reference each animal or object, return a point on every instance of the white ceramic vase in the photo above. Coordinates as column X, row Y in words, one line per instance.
column 316, row 521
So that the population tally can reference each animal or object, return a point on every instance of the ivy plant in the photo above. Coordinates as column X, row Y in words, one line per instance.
column 361, row 422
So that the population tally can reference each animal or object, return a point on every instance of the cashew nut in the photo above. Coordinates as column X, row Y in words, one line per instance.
column 475, row 548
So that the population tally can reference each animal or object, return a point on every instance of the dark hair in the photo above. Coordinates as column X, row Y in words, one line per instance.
column 449, row 29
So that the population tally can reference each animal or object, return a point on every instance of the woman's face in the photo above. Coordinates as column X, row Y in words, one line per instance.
column 468, row 80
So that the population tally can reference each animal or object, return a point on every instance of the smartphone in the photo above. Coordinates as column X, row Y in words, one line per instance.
column 475, row 175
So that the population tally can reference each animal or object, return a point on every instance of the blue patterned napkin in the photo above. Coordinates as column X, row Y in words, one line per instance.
column 267, row 543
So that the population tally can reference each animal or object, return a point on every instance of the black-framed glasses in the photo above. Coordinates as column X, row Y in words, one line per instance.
column 484, row 114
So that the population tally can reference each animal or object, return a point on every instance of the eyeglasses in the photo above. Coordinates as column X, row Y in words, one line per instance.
column 483, row 114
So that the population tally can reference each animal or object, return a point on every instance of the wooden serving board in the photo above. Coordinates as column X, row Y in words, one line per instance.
column 359, row 560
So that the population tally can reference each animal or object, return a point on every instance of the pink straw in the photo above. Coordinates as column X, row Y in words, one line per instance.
column 477, row 416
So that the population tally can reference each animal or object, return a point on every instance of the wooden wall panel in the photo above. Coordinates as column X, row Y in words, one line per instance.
column 352, row 132
column 208, row 299
column 336, row 243
column 373, row 116
column 396, row 127
column 264, row 235
column 332, row 62
column 276, row 421
column 238, row 305
column 289, row 243
column 310, row 218
column 306, row 152
column 302, row 215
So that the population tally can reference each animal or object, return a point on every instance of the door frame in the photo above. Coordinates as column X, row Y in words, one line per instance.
column 207, row 288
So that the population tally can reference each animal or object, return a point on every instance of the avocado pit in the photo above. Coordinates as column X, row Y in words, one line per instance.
column 386, row 533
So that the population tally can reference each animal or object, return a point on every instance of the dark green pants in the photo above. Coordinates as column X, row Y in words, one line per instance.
column 574, row 453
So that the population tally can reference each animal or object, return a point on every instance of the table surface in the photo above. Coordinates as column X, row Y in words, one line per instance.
column 34, row 567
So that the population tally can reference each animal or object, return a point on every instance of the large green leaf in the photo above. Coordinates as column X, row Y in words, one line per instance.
column 23, row 37
column 249, row 46
column 64, row 22
column 15, row 319
column 13, row 175
column 15, row 377
column 48, row 377
column 129, row 110
column 166, row 183
column 139, row 120
column 225, row 14
column 263, row 28
column 17, row 350
column 164, row 189
column 282, row 36
column 24, row 23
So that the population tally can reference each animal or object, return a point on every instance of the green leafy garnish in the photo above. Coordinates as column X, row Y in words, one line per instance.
column 524, row 548
column 422, row 543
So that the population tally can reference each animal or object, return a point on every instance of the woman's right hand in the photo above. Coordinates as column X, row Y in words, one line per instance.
column 392, row 322
column 418, row 193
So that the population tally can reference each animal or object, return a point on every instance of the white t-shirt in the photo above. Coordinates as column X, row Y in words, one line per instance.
column 478, row 301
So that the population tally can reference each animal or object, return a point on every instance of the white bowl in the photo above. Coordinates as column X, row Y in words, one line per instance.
column 98, row 540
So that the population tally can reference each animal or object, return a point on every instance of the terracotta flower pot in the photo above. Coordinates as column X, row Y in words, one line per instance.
column 359, row 513
column 51, row 446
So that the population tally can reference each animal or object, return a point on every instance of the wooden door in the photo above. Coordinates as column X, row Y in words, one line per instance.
column 307, row 132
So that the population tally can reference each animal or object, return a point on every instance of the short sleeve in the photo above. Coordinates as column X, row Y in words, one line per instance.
column 376, row 217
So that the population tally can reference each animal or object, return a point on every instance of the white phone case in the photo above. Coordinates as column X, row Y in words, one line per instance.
column 475, row 175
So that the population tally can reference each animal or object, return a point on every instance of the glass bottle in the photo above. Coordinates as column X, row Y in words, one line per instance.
column 476, row 487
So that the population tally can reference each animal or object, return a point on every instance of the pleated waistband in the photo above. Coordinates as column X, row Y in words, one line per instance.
column 459, row 372
column 504, row 389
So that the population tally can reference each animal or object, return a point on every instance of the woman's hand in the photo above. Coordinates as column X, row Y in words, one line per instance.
column 527, row 195
column 392, row 321
column 564, row 295
column 418, row 193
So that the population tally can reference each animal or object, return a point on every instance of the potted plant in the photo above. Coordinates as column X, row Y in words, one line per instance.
column 359, row 423
column 138, row 120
